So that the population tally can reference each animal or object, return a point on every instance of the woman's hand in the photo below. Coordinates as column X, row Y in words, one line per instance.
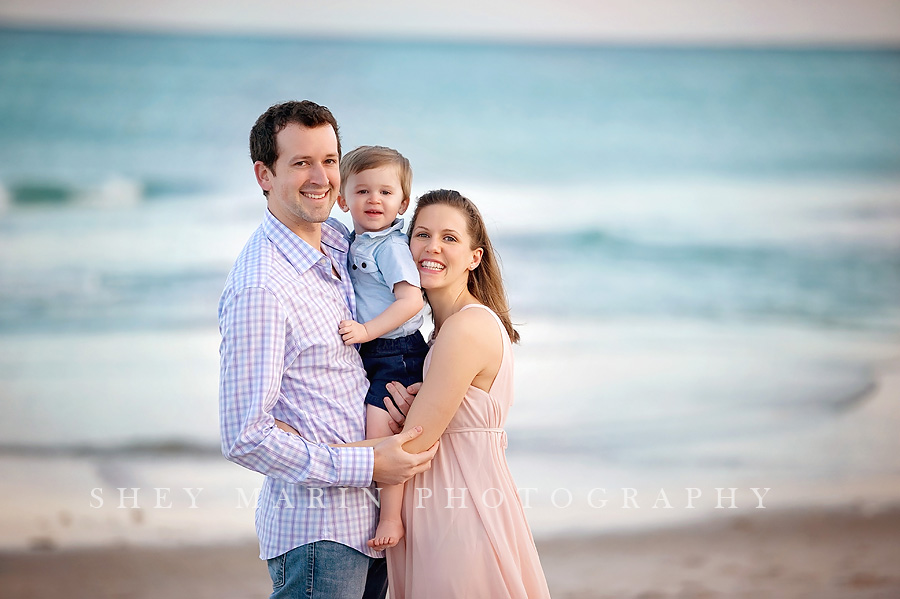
column 403, row 398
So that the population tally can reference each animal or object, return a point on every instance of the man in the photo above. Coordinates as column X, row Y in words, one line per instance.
column 283, row 358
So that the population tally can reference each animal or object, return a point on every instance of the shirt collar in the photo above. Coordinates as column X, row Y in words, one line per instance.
column 397, row 225
column 300, row 254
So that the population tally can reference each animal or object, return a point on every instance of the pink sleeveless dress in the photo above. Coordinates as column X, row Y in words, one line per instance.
column 472, row 541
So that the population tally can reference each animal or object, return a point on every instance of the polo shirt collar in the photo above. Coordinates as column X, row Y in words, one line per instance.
column 397, row 225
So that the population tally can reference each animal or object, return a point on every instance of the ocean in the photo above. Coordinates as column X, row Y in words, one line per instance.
column 701, row 245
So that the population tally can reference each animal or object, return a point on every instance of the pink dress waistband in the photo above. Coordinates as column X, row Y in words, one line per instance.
column 478, row 429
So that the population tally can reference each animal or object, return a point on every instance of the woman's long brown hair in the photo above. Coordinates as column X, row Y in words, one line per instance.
column 485, row 282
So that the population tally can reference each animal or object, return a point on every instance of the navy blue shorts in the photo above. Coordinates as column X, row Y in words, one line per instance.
column 389, row 360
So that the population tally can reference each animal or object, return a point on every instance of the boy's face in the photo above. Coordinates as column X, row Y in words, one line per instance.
column 374, row 198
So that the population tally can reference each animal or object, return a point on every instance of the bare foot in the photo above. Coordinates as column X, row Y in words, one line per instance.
column 388, row 534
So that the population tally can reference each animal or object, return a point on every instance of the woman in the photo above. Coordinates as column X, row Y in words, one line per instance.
column 466, row 532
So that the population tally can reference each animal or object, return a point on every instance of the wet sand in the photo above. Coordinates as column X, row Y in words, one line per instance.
column 846, row 553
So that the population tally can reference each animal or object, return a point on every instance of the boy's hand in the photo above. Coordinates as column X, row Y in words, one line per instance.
column 353, row 332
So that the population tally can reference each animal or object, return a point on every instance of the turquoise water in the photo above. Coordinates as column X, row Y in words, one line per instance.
column 171, row 111
column 727, row 220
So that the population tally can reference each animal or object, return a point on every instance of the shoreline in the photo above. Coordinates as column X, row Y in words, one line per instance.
column 831, row 553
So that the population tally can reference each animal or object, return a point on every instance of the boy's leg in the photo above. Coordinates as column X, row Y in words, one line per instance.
column 390, row 527
column 320, row 570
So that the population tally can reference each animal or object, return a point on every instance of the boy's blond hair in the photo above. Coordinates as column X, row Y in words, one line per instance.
column 364, row 158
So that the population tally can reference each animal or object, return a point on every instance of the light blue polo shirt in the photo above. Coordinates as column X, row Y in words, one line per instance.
column 378, row 261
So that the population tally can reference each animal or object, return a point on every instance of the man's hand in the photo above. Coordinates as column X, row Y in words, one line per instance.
column 402, row 400
column 287, row 427
column 353, row 332
column 393, row 465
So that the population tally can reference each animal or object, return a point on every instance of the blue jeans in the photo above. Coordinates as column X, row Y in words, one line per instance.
column 327, row 570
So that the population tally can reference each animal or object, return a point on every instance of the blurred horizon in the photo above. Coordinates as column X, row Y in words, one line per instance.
column 698, row 23
column 102, row 30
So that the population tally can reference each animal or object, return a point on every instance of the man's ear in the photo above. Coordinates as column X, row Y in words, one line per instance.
column 342, row 203
column 263, row 176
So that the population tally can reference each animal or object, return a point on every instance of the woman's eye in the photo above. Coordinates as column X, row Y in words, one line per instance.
column 449, row 238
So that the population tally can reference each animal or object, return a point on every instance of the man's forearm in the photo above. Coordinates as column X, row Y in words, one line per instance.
column 295, row 460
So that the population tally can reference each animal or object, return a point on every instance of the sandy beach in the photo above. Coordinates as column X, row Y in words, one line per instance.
column 822, row 554
column 847, row 553
column 71, row 531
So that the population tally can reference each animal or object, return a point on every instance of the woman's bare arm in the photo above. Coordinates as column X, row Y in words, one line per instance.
column 461, row 352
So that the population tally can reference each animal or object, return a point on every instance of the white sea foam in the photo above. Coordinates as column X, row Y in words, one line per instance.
column 708, row 210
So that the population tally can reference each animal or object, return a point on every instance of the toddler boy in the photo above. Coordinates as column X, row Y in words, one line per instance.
column 375, row 188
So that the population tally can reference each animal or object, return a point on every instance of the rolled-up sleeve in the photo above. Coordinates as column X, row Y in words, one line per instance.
column 396, row 262
column 253, row 325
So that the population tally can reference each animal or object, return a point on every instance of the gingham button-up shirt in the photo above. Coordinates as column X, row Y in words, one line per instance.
column 282, row 357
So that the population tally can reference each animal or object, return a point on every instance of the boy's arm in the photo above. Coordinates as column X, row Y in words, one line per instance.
column 408, row 303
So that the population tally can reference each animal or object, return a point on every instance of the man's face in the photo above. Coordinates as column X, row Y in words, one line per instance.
column 306, row 179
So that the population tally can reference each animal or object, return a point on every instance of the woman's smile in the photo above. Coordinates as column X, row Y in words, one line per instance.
column 431, row 265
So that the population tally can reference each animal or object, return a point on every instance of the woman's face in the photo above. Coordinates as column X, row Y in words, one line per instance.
column 442, row 247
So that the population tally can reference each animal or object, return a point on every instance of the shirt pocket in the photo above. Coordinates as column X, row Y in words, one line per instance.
column 364, row 262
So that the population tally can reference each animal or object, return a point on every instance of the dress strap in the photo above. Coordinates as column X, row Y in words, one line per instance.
column 494, row 314
column 506, row 343
column 467, row 306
